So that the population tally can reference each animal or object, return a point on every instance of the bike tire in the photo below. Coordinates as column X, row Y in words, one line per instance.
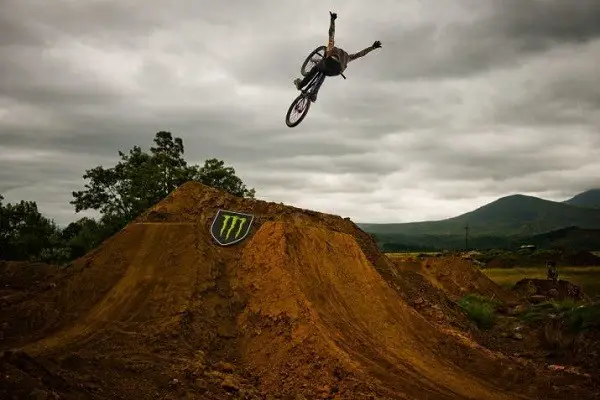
column 321, row 49
column 300, row 97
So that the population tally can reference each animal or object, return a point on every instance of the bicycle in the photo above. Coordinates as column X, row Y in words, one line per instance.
column 307, row 95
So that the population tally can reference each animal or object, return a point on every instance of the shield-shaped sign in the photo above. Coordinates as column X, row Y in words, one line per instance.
column 229, row 227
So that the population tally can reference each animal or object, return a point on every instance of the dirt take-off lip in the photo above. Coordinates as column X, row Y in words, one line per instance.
column 295, row 303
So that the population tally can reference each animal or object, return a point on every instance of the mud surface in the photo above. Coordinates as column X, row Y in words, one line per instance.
column 306, row 307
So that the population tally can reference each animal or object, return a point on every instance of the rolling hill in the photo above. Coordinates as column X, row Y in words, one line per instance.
column 589, row 198
column 572, row 238
column 515, row 215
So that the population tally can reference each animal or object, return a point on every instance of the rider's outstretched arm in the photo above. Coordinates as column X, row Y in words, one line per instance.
column 361, row 53
column 331, row 42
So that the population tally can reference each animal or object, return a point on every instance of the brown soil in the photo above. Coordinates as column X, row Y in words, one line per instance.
column 306, row 307
column 455, row 276
column 18, row 278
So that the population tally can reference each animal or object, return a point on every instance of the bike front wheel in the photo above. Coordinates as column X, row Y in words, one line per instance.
column 313, row 59
column 297, row 111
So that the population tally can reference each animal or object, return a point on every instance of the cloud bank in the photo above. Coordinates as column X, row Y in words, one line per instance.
column 467, row 101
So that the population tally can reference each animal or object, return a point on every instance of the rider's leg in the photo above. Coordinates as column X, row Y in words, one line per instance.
column 300, row 83
column 329, row 67
column 313, row 96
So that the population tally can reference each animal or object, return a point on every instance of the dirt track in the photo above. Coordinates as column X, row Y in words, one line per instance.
column 305, row 306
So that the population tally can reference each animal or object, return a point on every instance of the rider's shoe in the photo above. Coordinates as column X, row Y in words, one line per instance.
column 313, row 97
column 297, row 82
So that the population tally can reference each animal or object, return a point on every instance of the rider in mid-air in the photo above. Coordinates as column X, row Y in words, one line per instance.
column 335, row 60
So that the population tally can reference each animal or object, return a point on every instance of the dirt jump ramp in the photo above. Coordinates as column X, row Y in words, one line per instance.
column 456, row 277
column 300, row 307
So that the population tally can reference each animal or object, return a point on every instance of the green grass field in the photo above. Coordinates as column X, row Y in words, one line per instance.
column 586, row 277
column 409, row 254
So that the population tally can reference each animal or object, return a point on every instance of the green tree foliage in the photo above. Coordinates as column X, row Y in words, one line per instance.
column 138, row 181
column 25, row 234
column 214, row 173
column 141, row 179
column 3, row 229
column 82, row 236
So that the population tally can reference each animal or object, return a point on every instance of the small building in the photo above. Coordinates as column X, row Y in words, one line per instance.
column 528, row 247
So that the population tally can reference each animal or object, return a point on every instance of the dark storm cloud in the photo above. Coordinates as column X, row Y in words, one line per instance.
column 540, row 24
column 467, row 101
column 506, row 32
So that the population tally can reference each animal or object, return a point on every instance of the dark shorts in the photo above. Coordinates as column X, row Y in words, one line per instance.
column 330, row 66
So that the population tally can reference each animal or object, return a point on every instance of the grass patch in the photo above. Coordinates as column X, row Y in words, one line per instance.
column 588, row 278
column 543, row 311
column 576, row 317
column 479, row 309
column 410, row 254
column 584, row 317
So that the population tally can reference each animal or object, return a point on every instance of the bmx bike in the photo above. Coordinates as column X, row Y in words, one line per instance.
column 300, row 106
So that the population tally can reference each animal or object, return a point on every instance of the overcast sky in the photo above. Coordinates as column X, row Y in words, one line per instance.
column 466, row 102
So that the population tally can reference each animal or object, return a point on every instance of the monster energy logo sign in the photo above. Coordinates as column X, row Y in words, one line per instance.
column 230, row 227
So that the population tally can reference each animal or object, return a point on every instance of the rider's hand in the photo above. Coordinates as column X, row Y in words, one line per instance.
column 376, row 44
column 333, row 15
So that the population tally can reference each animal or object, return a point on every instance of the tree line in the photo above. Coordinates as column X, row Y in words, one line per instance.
column 119, row 194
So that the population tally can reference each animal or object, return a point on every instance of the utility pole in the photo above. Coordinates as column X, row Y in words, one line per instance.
column 467, row 237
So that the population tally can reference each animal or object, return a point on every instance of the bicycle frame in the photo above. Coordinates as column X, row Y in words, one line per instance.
column 314, row 84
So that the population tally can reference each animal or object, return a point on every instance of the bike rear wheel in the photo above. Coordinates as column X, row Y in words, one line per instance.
column 297, row 111
column 313, row 59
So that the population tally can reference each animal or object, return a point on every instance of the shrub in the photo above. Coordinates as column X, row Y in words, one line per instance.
column 584, row 317
column 479, row 309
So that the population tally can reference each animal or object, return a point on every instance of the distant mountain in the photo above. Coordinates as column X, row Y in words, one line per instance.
column 589, row 198
column 516, row 215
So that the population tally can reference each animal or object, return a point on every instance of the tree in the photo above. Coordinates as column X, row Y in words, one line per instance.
column 214, row 173
column 141, row 179
column 25, row 234
column 3, row 230
column 82, row 236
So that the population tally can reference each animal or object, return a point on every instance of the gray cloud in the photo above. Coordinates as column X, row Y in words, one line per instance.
column 540, row 23
column 467, row 101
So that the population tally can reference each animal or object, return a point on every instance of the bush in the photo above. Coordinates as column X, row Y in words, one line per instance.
column 576, row 317
column 479, row 309
column 584, row 317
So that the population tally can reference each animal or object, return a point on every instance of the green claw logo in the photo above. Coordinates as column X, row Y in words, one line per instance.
column 233, row 219
column 229, row 227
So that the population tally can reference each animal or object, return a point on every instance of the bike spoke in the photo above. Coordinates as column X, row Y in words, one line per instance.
column 298, row 110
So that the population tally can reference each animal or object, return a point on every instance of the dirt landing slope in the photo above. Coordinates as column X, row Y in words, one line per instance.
column 455, row 276
column 312, row 294
column 305, row 306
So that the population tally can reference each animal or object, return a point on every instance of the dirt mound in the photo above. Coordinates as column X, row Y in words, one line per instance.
column 305, row 306
column 455, row 276
column 559, row 290
column 18, row 275
column 21, row 280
